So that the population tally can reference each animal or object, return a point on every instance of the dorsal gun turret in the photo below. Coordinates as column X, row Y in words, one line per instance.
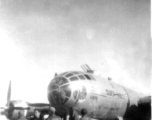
column 87, row 69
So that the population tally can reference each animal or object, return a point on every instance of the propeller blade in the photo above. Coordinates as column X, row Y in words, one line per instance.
column 9, row 94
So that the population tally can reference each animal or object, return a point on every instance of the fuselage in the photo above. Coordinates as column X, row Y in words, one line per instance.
column 103, row 98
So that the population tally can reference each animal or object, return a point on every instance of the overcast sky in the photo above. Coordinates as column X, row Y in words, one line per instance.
column 41, row 37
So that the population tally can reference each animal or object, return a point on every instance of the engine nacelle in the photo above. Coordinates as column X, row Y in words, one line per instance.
column 15, row 108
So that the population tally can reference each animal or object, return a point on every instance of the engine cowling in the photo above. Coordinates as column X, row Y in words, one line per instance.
column 14, row 108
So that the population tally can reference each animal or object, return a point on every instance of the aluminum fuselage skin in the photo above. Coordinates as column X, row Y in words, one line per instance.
column 102, row 98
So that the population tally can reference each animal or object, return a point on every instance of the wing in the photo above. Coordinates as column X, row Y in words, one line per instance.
column 43, row 107
column 14, row 106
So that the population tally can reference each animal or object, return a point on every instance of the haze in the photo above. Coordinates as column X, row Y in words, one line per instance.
column 41, row 37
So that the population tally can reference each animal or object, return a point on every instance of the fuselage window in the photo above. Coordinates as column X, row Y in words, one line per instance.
column 73, row 78
column 81, row 77
column 87, row 77
column 62, row 74
column 69, row 75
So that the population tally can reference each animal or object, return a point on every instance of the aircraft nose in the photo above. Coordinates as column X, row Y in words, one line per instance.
column 59, row 91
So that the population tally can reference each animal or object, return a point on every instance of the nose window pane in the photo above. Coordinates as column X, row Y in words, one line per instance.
column 73, row 78
column 87, row 77
column 53, row 81
column 69, row 75
column 64, row 98
column 81, row 77
column 65, row 93
column 52, row 100
column 54, row 87
column 66, row 90
column 59, row 81
column 56, row 95
column 62, row 81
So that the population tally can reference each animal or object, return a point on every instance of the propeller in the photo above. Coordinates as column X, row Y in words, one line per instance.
column 8, row 98
column 5, row 109
column 12, row 105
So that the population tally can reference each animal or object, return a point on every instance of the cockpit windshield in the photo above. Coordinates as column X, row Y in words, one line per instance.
column 74, row 76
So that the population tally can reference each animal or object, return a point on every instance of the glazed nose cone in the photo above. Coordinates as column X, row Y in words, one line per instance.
column 59, row 91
